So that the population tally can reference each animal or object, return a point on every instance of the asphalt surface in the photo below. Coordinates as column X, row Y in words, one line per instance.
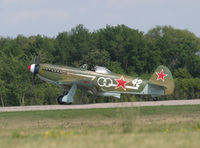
column 100, row 105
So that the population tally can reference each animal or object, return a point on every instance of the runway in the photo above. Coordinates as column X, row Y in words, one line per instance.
column 100, row 105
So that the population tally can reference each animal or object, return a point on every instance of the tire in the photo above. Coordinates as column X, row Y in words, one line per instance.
column 59, row 100
column 155, row 98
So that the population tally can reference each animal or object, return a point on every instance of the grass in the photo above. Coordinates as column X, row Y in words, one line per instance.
column 160, row 126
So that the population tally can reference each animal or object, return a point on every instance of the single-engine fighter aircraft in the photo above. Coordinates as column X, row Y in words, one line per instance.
column 101, row 81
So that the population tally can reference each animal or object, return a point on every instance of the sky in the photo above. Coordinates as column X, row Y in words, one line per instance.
column 49, row 17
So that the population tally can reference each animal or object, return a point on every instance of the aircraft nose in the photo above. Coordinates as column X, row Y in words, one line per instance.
column 32, row 68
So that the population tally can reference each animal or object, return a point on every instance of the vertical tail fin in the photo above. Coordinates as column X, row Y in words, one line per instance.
column 163, row 77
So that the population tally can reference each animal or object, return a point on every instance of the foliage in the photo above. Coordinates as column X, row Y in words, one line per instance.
column 122, row 49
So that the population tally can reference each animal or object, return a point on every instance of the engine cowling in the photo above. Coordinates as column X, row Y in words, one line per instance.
column 34, row 68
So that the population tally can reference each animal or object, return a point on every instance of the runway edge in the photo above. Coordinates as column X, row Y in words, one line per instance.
column 100, row 105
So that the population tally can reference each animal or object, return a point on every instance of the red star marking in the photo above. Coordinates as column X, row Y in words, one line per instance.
column 121, row 83
column 161, row 75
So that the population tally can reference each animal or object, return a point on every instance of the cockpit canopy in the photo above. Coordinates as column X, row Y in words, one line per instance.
column 101, row 69
column 97, row 69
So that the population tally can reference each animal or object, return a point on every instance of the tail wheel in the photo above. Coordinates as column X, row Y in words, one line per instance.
column 155, row 98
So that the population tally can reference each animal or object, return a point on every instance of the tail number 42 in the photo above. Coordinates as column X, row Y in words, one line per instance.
column 137, row 82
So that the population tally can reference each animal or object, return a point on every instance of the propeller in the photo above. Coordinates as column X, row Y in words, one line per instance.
column 34, row 68
column 37, row 60
column 33, row 80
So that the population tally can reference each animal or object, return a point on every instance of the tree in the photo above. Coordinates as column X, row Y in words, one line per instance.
column 97, row 57
column 177, row 48
column 125, row 46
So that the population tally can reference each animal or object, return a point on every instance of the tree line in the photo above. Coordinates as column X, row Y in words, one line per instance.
column 121, row 49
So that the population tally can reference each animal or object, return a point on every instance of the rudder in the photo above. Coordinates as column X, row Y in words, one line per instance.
column 163, row 77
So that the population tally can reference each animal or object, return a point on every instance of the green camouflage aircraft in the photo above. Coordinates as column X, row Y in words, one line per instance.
column 101, row 81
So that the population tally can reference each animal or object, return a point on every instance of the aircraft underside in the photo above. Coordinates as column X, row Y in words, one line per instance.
column 68, row 95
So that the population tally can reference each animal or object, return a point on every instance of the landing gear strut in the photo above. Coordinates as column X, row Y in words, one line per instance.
column 67, row 98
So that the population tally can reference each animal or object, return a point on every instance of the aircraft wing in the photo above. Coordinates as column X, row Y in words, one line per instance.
column 86, row 85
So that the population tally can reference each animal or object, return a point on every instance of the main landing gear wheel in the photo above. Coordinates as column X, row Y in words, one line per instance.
column 67, row 97
column 59, row 100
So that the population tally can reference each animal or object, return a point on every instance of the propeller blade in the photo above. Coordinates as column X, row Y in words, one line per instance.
column 33, row 81
column 37, row 60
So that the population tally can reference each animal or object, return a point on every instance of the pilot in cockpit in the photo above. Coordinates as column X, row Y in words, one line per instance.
column 84, row 67
column 97, row 69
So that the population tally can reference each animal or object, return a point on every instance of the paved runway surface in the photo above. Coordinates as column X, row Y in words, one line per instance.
column 99, row 105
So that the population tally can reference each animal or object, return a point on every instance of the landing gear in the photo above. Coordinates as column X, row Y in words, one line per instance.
column 59, row 100
column 68, row 97
column 155, row 98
